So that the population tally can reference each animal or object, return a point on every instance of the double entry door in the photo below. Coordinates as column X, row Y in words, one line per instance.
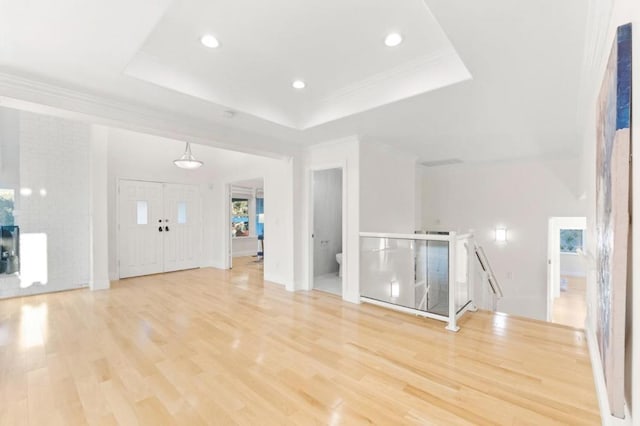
column 160, row 227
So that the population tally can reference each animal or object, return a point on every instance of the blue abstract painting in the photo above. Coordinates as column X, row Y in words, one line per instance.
column 613, row 154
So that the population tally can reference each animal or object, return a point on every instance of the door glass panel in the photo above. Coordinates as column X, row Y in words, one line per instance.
column 142, row 213
column 182, row 212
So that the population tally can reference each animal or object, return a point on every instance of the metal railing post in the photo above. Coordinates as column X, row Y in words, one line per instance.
column 452, row 326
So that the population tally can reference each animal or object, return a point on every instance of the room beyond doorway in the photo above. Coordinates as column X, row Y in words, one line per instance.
column 327, row 225
column 246, row 220
column 566, row 288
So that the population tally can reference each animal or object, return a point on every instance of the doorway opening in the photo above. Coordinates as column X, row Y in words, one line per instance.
column 566, row 288
column 246, row 225
column 327, row 235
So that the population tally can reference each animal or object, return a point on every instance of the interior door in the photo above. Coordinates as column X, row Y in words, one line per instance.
column 140, row 232
column 182, row 224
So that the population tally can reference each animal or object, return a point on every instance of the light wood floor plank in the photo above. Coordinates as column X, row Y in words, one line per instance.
column 223, row 347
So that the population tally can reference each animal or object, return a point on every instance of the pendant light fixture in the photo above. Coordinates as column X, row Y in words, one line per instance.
column 188, row 161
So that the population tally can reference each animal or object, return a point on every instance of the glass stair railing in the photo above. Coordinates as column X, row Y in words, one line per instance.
column 422, row 274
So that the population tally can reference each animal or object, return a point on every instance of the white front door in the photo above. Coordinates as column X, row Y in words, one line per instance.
column 160, row 227
column 140, row 235
column 182, row 227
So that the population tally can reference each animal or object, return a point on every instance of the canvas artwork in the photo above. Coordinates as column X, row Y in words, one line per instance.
column 613, row 213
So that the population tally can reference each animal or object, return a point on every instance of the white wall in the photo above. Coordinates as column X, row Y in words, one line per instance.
column 99, row 208
column 519, row 195
column 387, row 190
column 9, row 148
column 572, row 265
column 54, row 163
column 145, row 157
column 245, row 246
column 327, row 220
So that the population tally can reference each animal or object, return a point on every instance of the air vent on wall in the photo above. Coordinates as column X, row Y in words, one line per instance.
column 444, row 162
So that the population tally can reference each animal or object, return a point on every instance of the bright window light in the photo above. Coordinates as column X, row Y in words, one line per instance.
column 33, row 262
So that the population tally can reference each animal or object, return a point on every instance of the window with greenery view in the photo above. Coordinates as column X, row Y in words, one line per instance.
column 240, row 217
column 6, row 206
column 259, row 211
column 570, row 240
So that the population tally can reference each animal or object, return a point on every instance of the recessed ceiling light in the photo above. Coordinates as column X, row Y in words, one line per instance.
column 393, row 39
column 209, row 41
column 298, row 84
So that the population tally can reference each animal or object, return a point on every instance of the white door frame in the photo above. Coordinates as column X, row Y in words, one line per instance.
column 316, row 168
column 553, row 255
column 228, row 246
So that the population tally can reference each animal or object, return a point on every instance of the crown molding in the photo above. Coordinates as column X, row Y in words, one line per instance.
column 37, row 96
column 418, row 76
column 408, row 67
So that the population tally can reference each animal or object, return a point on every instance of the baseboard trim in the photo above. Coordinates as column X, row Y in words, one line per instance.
column 601, row 387
column 214, row 265
column 273, row 279
column 100, row 285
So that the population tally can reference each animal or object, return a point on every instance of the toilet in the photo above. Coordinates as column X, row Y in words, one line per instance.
column 339, row 260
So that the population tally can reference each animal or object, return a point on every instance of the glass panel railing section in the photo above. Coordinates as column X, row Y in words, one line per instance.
column 436, row 260
column 411, row 273
column 464, row 251
column 426, row 274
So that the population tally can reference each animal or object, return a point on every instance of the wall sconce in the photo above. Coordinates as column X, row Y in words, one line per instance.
column 395, row 289
column 501, row 235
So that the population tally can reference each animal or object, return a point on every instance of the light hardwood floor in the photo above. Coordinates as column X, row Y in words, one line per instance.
column 222, row 347
column 571, row 307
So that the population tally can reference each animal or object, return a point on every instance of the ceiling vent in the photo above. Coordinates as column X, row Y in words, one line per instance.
column 445, row 162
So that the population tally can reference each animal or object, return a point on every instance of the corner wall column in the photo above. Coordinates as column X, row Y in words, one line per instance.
column 99, row 238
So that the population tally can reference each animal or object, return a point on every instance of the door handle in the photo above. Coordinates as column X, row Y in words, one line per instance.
column 159, row 228
column 166, row 228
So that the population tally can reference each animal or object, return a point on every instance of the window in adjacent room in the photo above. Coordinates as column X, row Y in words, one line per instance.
column 571, row 240
column 240, row 217
column 7, row 197
column 259, row 216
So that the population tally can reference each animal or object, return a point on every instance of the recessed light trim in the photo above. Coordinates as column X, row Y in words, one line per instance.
column 209, row 41
column 298, row 84
column 393, row 39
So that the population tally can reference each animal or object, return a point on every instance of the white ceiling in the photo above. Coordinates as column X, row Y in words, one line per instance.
column 525, row 59
column 336, row 47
